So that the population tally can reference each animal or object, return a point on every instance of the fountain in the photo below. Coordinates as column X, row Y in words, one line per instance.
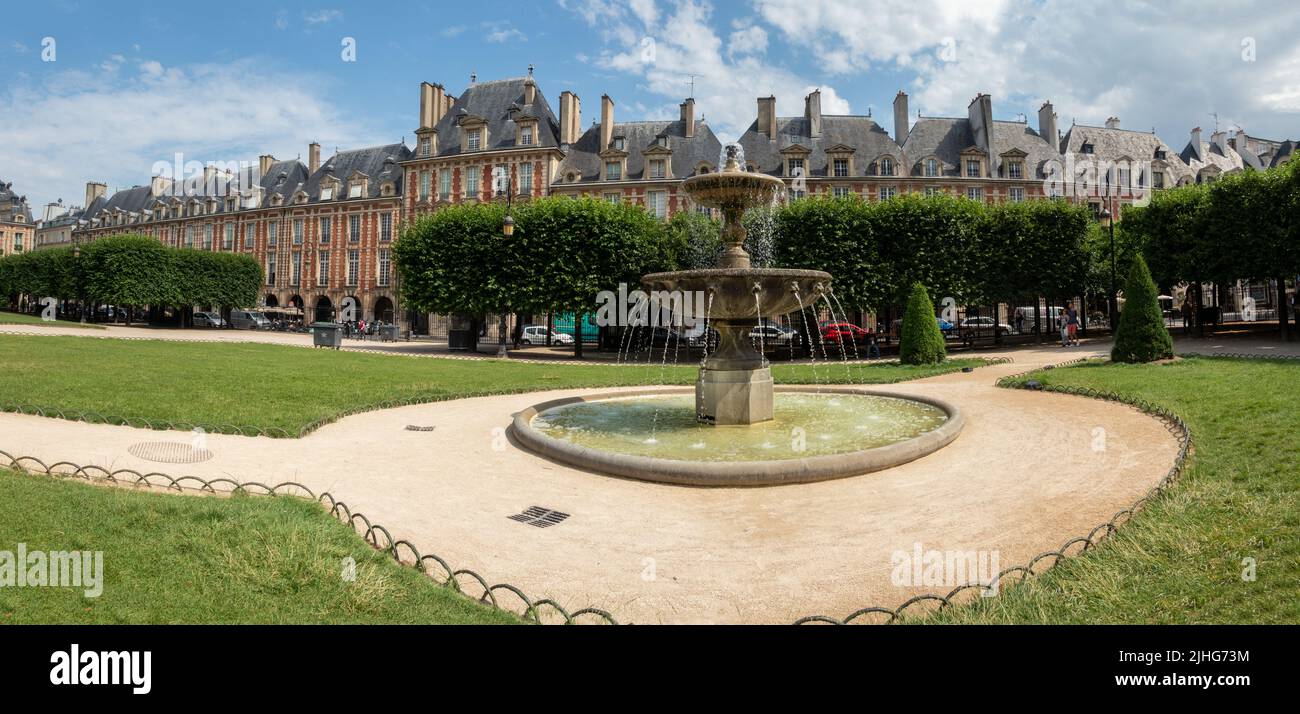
column 739, row 432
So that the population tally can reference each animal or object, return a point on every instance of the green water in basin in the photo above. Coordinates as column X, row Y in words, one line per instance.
column 804, row 424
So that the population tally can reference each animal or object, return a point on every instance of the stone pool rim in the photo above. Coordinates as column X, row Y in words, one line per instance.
column 773, row 472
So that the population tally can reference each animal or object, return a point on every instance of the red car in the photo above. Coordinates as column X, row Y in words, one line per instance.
column 845, row 333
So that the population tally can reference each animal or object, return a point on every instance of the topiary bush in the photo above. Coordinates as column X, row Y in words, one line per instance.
column 920, row 341
column 1141, row 335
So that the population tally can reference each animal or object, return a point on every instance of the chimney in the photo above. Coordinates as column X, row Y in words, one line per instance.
column 159, row 186
column 812, row 110
column 440, row 104
column 570, row 118
column 1196, row 144
column 209, row 181
column 900, row 117
column 980, row 114
column 1112, row 123
column 1220, row 139
column 767, row 117
column 688, row 118
column 313, row 158
column 1047, row 125
column 530, row 88
column 93, row 191
column 264, row 164
column 427, row 106
column 606, row 121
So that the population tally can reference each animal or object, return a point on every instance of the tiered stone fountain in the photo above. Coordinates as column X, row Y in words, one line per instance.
column 742, row 431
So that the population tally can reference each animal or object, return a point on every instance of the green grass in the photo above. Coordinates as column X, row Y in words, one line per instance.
column 1180, row 560
column 195, row 559
column 18, row 318
column 281, row 387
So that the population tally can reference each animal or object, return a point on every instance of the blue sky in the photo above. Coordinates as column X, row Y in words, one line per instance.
column 132, row 84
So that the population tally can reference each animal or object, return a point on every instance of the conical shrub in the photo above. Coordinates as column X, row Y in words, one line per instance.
column 920, row 342
column 1141, row 335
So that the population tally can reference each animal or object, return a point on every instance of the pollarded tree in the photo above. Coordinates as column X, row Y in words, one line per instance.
column 835, row 235
column 921, row 342
column 1141, row 335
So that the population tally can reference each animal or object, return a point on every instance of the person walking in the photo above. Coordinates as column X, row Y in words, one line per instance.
column 1187, row 315
column 1063, row 323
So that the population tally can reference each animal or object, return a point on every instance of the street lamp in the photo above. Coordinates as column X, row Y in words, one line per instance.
column 1113, row 307
column 507, row 230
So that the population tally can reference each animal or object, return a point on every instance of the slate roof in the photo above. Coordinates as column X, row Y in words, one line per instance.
column 493, row 102
column 1039, row 152
column 1115, row 144
column 941, row 137
column 584, row 155
column 378, row 163
column 13, row 206
column 867, row 138
column 1211, row 155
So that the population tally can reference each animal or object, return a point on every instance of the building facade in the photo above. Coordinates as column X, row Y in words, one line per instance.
column 17, row 232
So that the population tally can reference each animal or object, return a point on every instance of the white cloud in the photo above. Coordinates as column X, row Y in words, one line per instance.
column 747, row 41
column 282, row 20
column 320, row 17
column 505, row 34
column 453, row 30
column 77, row 126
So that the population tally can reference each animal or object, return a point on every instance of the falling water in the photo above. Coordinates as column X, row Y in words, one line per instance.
column 843, row 313
column 758, row 309
column 844, row 355
column 812, row 354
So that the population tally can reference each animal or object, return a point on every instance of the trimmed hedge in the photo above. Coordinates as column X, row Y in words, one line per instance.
column 921, row 341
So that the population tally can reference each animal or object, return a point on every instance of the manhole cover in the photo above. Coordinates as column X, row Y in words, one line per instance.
column 540, row 517
column 169, row 452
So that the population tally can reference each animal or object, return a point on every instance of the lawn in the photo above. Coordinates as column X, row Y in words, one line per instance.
column 196, row 559
column 1181, row 559
column 18, row 318
column 289, row 388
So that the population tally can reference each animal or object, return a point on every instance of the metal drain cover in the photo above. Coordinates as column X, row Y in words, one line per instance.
column 539, row 517
column 169, row 452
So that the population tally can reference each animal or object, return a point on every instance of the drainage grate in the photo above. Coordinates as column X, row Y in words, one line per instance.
column 169, row 452
column 540, row 517
column 413, row 427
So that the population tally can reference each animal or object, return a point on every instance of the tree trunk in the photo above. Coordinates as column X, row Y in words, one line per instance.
column 577, row 335
column 1282, row 317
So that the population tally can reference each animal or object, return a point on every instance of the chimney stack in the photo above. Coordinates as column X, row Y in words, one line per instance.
column 530, row 88
column 94, row 190
column 900, row 117
column 209, row 181
column 1196, row 144
column 606, row 121
column 158, row 186
column 1112, row 123
column 1047, row 125
column 570, row 118
column 313, row 158
column 264, row 164
column 767, row 117
column 688, row 117
column 812, row 110
column 1220, row 139
column 426, row 106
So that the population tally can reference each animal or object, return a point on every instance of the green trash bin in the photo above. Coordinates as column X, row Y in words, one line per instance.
column 327, row 334
column 388, row 333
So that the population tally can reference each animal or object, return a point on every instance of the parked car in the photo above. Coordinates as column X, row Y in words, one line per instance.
column 774, row 336
column 944, row 326
column 659, row 337
column 536, row 335
column 208, row 319
column 983, row 324
column 695, row 336
column 844, row 333
column 249, row 320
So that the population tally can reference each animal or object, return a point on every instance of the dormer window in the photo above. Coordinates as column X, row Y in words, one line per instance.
column 796, row 166
column 1087, row 148
column 327, row 193
column 1015, row 169
column 931, row 167
column 619, row 143
column 526, row 136
column 474, row 140
column 354, row 191
column 1160, row 154
column 426, row 146
column 661, row 141
column 658, row 168
column 840, row 168
column 613, row 170
column 886, row 166
column 972, row 168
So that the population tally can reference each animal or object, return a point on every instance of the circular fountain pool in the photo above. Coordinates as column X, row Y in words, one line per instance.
column 813, row 436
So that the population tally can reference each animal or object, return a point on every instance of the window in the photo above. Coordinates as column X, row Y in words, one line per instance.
column 931, row 167
column 354, row 228
column 525, row 179
column 841, row 167
column 228, row 243
column 619, row 143
column 385, row 267
column 325, row 230
column 796, row 167
column 973, row 168
column 933, row 191
column 297, row 231
column 327, row 193
column 1160, row 154
column 975, row 193
column 796, row 195
column 207, row 237
column 658, row 169
column 613, row 198
column 426, row 146
column 613, row 170
column 1087, row 148
column 323, row 268
column 354, row 266
column 472, row 176
column 424, row 186
column 249, row 235
column 1158, row 179
column 272, row 233
column 656, row 202
column 386, row 226
column 887, row 192
column 189, row 236
column 444, row 185
column 1015, row 170
column 526, row 136
column 270, row 268
column 840, row 191
column 474, row 140
column 354, row 189
column 886, row 166
column 1124, row 178
column 295, row 268
column 1016, row 193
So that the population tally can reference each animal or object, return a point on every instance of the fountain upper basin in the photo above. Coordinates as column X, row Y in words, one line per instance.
column 729, row 292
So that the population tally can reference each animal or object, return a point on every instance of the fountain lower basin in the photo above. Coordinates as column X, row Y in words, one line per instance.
column 815, row 435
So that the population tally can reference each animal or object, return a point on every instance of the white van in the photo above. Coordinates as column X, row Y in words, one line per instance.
column 248, row 320
column 1050, row 317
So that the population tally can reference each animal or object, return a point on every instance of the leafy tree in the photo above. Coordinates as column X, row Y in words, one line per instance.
column 835, row 235
column 921, row 341
column 1141, row 335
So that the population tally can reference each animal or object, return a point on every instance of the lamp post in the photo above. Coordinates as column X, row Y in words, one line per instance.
column 507, row 230
column 81, row 283
column 1113, row 307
